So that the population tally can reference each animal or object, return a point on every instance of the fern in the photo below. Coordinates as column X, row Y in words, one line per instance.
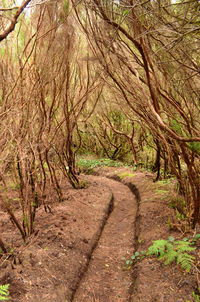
column 185, row 260
column 169, row 257
column 183, row 246
column 170, row 251
column 4, row 292
column 159, row 247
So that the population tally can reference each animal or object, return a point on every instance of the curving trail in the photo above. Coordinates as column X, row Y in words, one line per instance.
column 105, row 280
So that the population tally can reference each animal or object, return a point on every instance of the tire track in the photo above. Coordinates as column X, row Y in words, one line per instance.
column 93, row 244
column 105, row 280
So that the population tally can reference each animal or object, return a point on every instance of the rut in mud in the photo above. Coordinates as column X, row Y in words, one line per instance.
column 105, row 279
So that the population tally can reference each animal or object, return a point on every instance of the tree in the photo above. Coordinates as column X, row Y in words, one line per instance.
column 135, row 44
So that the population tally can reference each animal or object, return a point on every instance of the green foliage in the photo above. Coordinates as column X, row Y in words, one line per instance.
column 2, row 51
column 125, row 12
column 126, row 174
column 196, row 297
column 159, row 191
column 4, row 292
column 180, row 216
column 176, row 126
column 165, row 181
column 177, row 202
column 105, row 142
column 169, row 251
column 139, row 255
column 195, row 238
column 173, row 251
column 65, row 11
column 66, row 6
column 88, row 165
column 194, row 146
column 83, row 184
column 13, row 185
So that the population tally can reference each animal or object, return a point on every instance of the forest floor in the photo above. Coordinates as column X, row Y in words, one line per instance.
column 77, row 251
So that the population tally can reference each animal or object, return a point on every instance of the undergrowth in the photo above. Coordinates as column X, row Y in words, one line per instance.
column 125, row 174
column 169, row 251
column 88, row 165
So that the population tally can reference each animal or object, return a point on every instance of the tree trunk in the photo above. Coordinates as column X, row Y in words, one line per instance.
column 157, row 164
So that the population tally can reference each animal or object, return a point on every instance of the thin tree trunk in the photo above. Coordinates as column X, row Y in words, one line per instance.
column 157, row 164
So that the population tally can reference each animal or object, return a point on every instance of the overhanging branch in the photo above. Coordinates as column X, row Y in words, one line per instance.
column 13, row 22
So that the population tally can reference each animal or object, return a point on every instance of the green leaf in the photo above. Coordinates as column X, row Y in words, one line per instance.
column 126, row 12
column 137, row 254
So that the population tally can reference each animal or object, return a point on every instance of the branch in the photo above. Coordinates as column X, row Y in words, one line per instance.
column 13, row 22
column 155, row 106
column 8, row 9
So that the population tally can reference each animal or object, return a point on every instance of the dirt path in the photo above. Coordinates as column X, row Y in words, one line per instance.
column 152, row 281
column 76, row 254
column 105, row 279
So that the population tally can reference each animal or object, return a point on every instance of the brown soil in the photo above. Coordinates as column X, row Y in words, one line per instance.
column 76, row 252
column 49, row 267
column 154, row 281
column 105, row 279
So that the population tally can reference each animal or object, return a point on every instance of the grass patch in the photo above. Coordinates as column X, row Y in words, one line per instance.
column 166, row 181
column 162, row 192
column 125, row 174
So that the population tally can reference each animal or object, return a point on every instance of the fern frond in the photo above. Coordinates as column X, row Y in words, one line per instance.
column 173, row 251
column 184, row 246
column 159, row 248
column 185, row 260
column 169, row 257
column 4, row 292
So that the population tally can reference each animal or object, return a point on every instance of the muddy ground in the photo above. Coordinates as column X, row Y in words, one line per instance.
column 77, row 252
